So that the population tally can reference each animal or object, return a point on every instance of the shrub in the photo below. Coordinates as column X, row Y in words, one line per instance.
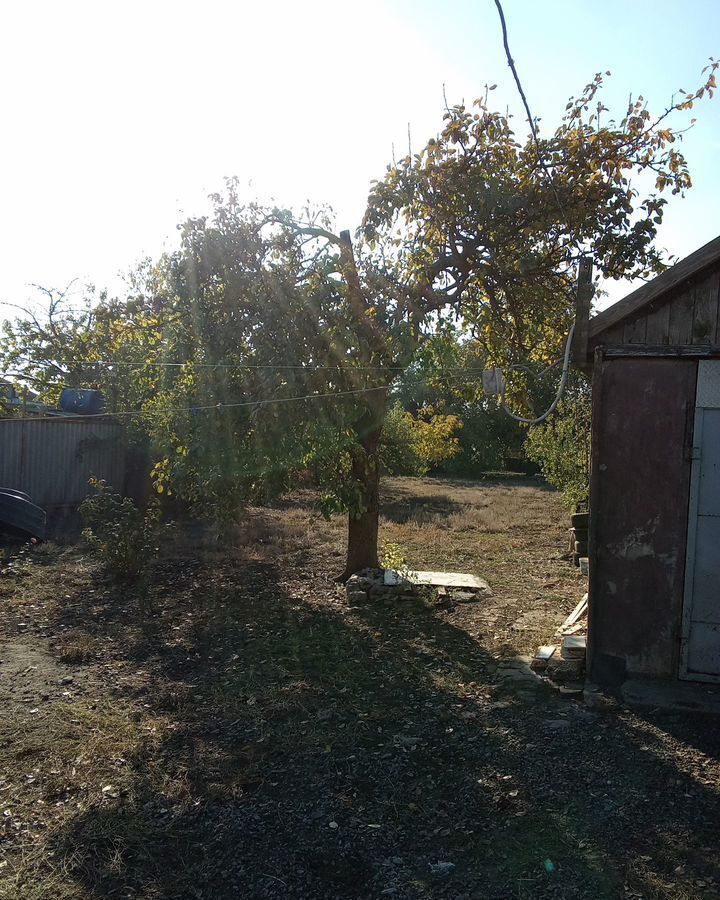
column 392, row 556
column 124, row 536
column 561, row 447
column 413, row 445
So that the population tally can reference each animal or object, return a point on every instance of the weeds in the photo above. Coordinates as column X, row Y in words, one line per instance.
column 125, row 537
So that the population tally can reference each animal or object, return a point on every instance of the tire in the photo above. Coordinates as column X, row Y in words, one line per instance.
column 21, row 518
column 15, row 493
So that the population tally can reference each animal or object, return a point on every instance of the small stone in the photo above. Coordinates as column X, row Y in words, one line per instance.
column 441, row 868
column 571, row 690
column 557, row 724
column 465, row 596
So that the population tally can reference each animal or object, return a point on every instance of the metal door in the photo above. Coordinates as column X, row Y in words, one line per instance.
column 700, row 660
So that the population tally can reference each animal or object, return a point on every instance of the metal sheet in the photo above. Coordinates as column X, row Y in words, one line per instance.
column 704, row 649
column 701, row 614
column 708, row 388
column 52, row 459
column 706, row 571
column 709, row 447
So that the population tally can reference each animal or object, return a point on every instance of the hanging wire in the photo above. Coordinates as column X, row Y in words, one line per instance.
column 194, row 409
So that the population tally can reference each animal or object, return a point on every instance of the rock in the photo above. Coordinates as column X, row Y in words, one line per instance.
column 572, row 689
column 441, row 868
column 594, row 698
column 371, row 586
column 557, row 724
column 564, row 670
column 542, row 657
column 465, row 596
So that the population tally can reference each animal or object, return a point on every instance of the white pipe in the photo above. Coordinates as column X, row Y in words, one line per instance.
column 561, row 389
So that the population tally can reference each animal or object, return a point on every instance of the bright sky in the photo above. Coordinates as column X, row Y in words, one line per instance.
column 120, row 118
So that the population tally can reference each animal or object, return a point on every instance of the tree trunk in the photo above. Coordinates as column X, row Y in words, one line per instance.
column 362, row 548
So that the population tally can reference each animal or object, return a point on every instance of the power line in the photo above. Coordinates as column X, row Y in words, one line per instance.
column 531, row 121
column 251, row 367
column 193, row 409
column 511, row 63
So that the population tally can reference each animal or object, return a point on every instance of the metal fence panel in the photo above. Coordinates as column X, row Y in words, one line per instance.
column 52, row 459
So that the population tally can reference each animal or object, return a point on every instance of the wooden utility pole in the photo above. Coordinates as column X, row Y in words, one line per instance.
column 583, row 298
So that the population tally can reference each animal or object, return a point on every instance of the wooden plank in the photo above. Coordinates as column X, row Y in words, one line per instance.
column 682, row 307
column 635, row 330
column 705, row 315
column 615, row 335
column 634, row 302
column 690, row 351
column 583, row 299
column 579, row 611
column 594, row 501
column 658, row 323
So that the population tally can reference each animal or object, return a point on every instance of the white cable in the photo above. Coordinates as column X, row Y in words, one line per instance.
column 561, row 389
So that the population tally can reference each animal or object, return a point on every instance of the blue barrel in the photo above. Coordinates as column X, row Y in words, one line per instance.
column 83, row 401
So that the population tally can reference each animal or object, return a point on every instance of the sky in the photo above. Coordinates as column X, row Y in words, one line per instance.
column 119, row 119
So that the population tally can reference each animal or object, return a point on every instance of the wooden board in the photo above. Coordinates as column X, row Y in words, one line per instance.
column 642, row 434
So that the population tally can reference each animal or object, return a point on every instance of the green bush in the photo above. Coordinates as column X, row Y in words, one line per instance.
column 413, row 445
column 561, row 447
column 124, row 536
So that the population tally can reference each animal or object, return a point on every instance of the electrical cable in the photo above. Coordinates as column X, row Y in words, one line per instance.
column 561, row 209
column 194, row 409
column 558, row 397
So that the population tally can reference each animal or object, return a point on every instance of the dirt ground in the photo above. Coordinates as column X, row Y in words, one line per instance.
column 228, row 727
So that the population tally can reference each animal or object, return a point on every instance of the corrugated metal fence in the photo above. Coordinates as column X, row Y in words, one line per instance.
column 52, row 459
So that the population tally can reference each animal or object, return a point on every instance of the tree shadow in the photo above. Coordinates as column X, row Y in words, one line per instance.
column 312, row 750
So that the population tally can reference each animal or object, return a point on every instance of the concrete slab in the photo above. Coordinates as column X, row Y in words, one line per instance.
column 437, row 579
column 675, row 696
column 573, row 646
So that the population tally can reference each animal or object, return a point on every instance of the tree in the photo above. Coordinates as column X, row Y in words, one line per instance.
column 483, row 228
column 478, row 228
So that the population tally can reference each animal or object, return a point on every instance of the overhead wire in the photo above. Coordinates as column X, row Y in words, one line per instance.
column 205, row 408
column 561, row 209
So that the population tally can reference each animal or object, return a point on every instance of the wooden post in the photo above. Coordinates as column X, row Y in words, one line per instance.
column 583, row 298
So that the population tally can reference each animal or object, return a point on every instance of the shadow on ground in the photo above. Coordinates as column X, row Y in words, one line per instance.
column 320, row 753
column 282, row 745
